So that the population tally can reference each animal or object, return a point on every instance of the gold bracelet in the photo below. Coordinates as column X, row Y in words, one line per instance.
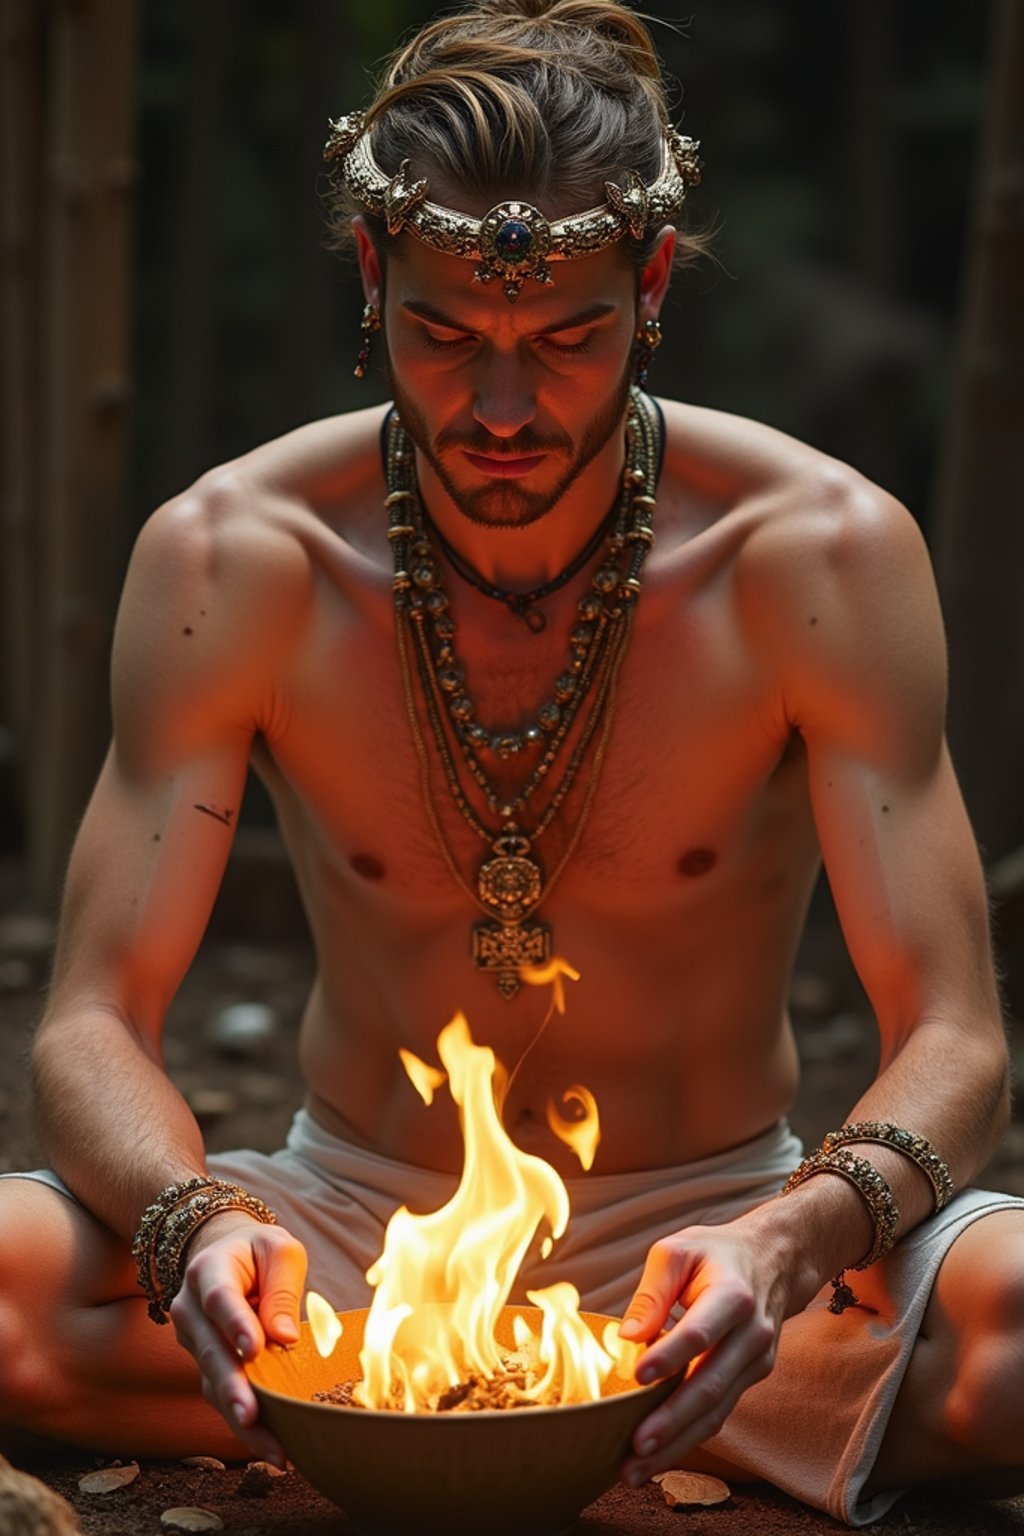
column 918, row 1148
column 877, row 1196
column 168, row 1225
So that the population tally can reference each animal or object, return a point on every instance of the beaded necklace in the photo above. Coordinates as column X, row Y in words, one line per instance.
column 510, row 884
column 519, row 603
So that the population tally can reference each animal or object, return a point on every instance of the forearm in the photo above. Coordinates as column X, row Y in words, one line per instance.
column 954, row 1092
column 113, row 1125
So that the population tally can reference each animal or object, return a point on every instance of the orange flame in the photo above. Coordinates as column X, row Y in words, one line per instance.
column 443, row 1278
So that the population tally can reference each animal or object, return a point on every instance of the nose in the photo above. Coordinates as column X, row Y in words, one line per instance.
column 503, row 398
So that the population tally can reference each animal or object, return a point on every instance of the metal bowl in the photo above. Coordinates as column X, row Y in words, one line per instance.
column 506, row 1472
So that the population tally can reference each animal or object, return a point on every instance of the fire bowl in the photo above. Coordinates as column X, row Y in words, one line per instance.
column 513, row 1472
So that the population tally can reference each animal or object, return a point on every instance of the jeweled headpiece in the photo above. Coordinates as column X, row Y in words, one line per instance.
column 514, row 240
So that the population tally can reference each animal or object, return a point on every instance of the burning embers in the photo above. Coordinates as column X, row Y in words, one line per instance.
column 430, row 1342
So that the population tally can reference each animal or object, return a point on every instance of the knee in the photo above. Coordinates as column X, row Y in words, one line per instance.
column 23, row 1377
column 985, row 1406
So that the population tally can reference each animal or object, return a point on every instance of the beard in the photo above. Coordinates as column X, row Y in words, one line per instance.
column 502, row 503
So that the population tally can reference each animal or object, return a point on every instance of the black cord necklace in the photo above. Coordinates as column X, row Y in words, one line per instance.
column 521, row 603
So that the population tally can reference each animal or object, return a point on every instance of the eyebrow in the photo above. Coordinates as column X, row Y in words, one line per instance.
column 595, row 311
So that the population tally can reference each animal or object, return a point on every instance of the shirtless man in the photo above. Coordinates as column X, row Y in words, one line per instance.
column 779, row 691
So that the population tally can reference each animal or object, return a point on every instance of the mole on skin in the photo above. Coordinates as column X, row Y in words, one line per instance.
column 365, row 864
column 697, row 861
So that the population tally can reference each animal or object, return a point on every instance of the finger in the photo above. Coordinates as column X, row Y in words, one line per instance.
column 281, row 1274
column 664, row 1275
column 224, row 1383
column 694, row 1414
column 716, row 1313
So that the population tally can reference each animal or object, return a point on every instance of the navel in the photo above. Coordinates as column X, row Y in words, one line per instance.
column 366, row 865
column 697, row 861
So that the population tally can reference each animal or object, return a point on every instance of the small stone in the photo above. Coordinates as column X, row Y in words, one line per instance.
column 242, row 1029
column 203, row 1463
column 29, row 1508
column 258, row 1479
column 26, row 936
column 109, row 1479
column 212, row 1103
column 15, row 975
column 689, row 1490
column 189, row 1518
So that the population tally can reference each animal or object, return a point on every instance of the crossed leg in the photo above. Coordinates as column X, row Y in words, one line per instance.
column 80, row 1360
column 959, row 1413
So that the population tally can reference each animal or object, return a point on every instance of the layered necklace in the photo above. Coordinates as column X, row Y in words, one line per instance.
column 510, row 884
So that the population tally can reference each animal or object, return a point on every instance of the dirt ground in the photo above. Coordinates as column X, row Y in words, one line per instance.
column 242, row 1083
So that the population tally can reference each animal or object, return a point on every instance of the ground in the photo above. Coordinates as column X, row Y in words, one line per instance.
column 244, row 1090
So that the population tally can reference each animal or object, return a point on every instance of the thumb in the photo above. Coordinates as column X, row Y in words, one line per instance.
column 653, row 1299
column 282, row 1272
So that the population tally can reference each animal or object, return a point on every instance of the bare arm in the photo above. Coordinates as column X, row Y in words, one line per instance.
column 839, row 603
column 213, row 603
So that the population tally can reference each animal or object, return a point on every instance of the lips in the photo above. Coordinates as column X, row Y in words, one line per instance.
column 505, row 467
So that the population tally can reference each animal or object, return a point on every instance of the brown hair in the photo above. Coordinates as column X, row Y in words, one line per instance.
column 510, row 97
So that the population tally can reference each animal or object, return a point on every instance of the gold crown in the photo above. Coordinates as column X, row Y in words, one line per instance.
column 514, row 240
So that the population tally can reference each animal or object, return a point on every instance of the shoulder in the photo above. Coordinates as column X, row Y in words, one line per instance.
column 251, row 528
column 801, row 521
column 831, row 579
column 221, row 585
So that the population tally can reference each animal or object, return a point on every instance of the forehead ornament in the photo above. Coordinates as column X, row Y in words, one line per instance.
column 514, row 241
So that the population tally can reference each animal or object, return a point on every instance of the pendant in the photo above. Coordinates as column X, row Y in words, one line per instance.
column 504, row 948
column 510, row 886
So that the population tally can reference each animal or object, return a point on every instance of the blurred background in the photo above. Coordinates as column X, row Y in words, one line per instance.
column 167, row 303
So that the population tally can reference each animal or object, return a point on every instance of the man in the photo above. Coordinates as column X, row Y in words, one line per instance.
column 500, row 723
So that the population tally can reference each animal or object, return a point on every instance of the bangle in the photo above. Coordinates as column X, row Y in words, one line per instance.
column 917, row 1148
column 875, row 1193
column 168, row 1225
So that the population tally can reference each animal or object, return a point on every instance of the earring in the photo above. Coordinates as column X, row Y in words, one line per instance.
column 649, row 337
column 369, row 323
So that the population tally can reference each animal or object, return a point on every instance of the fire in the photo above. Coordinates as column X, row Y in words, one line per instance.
column 443, row 1278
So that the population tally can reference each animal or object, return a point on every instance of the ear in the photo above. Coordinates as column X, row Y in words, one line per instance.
column 655, row 277
column 369, row 261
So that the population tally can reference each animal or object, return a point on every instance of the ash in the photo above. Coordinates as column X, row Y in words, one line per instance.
column 510, row 1387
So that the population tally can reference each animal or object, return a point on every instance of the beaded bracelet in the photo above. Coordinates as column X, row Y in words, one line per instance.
column 168, row 1225
column 875, row 1193
column 917, row 1148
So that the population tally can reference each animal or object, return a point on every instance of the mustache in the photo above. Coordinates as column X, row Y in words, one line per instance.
column 522, row 446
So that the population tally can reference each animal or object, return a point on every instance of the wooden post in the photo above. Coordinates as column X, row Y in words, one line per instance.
column 90, row 176
column 979, row 529
column 19, row 252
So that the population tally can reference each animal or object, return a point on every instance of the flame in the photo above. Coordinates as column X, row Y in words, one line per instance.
column 424, row 1078
column 541, row 975
column 324, row 1323
column 442, row 1278
column 583, row 1132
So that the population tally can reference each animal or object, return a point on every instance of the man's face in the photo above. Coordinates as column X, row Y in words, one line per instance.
column 508, row 403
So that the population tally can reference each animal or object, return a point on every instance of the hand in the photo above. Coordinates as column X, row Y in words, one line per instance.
column 736, row 1290
column 233, row 1258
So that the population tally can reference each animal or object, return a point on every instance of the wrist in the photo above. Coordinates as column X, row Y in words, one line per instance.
column 811, row 1233
column 169, row 1225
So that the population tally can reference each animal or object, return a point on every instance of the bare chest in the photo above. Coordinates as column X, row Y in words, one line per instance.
column 678, row 773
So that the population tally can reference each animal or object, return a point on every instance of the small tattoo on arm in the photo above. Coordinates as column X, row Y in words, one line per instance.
column 211, row 810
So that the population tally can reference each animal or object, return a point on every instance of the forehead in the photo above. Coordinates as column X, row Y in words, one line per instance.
column 448, row 283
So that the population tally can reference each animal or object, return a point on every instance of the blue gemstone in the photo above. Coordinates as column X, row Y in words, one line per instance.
column 513, row 240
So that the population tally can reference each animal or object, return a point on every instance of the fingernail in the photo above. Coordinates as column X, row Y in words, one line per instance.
column 629, row 1329
column 240, row 1412
column 648, row 1446
column 634, row 1478
column 243, row 1344
column 645, row 1374
column 284, row 1327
